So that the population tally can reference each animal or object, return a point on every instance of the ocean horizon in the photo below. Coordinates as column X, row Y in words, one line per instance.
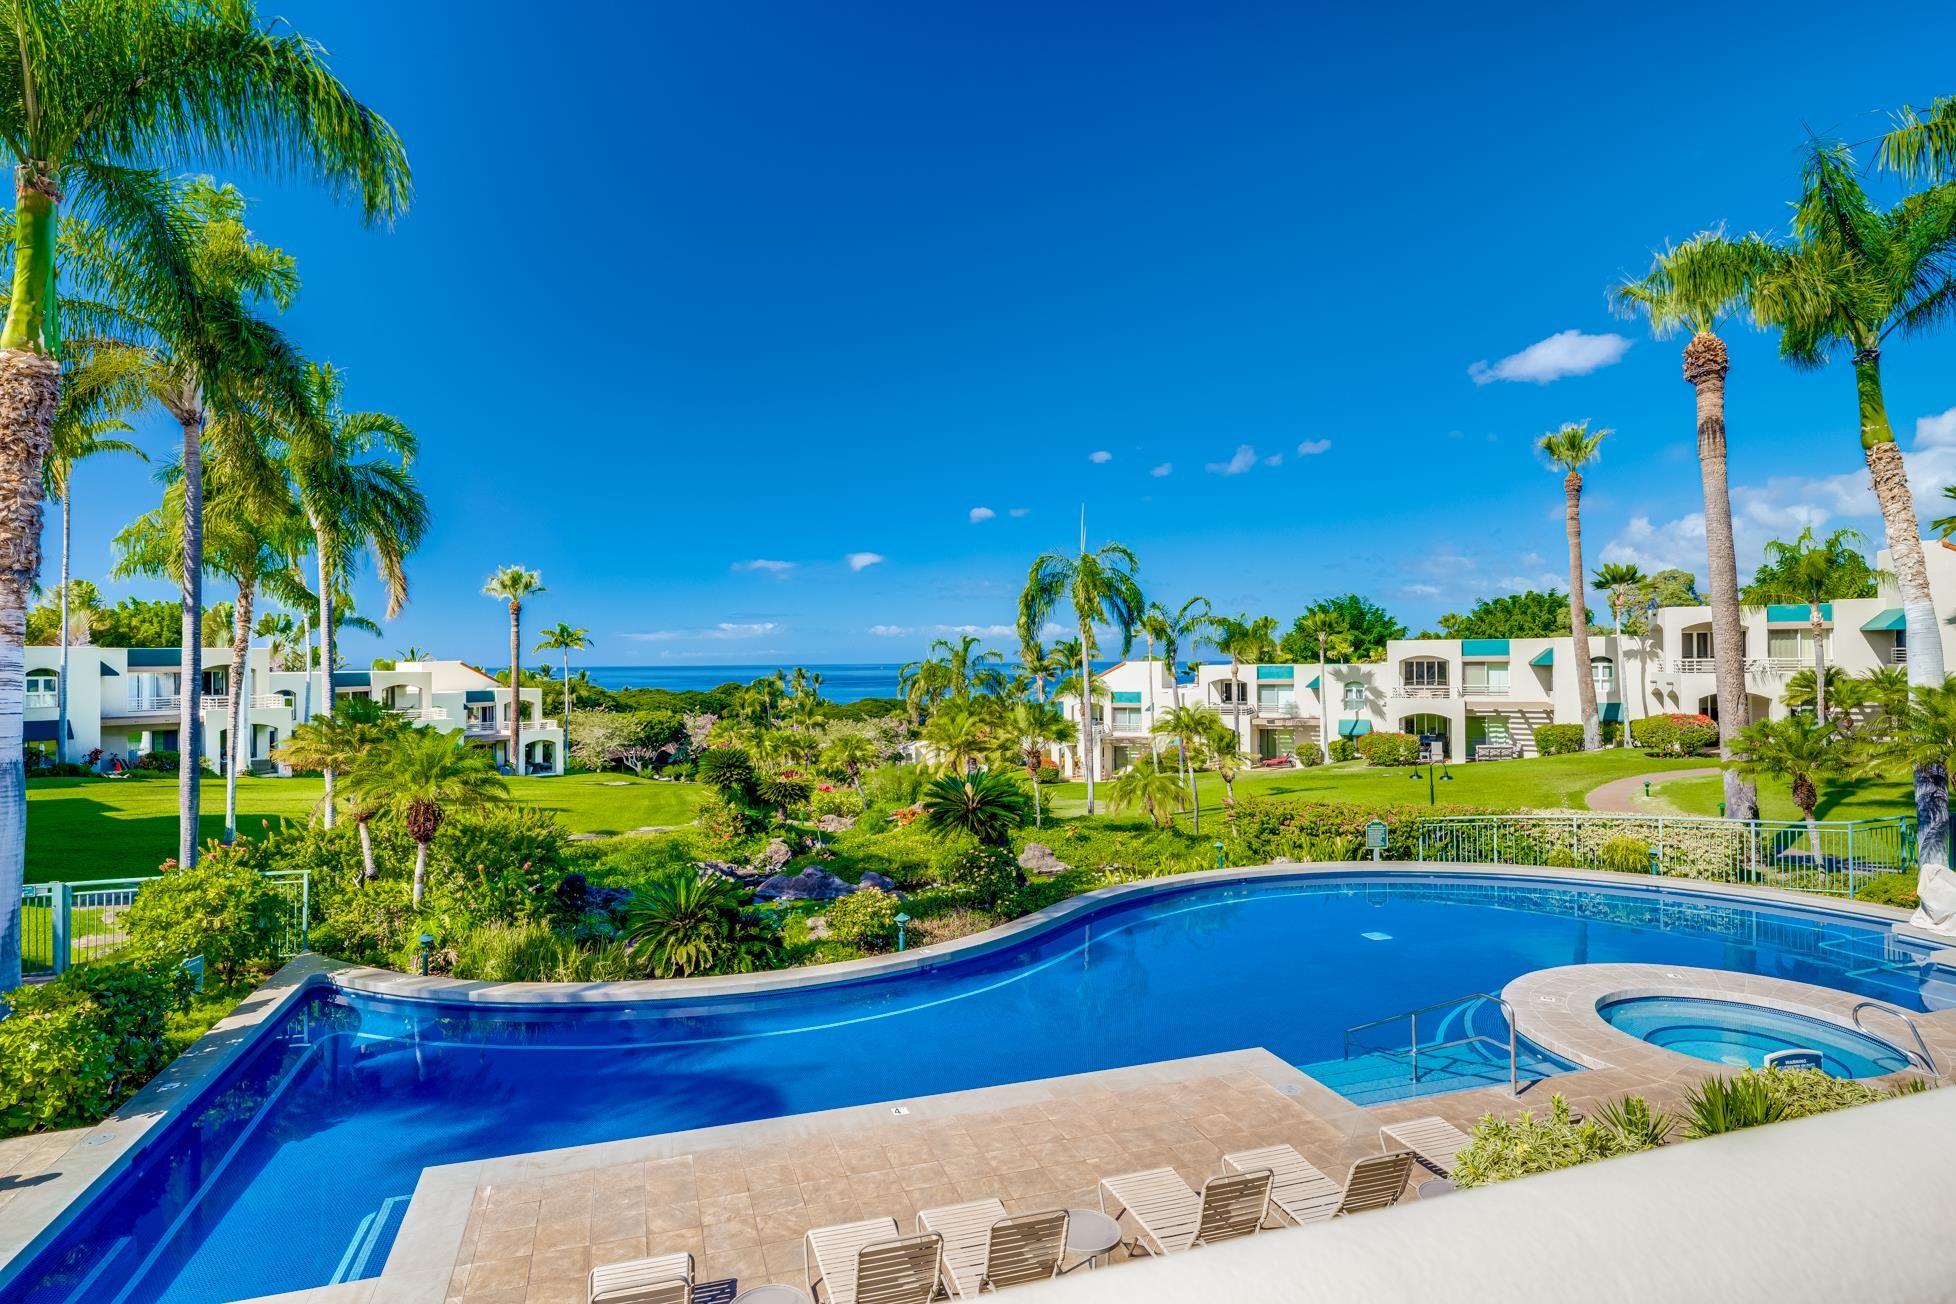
column 841, row 681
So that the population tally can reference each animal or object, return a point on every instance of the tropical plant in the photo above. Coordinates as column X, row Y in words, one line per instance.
column 1801, row 749
column 511, row 585
column 957, row 738
column 1100, row 586
column 101, row 93
column 848, row 755
column 1839, row 692
column 1021, row 736
column 418, row 775
column 1698, row 286
column 1720, row 1105
column 1192, row 728
column 686, row 924
column 1620, row 580
column 1502, row 1149
column 1809, row 572
column 560, row 637
column 1224, row 754
column 1369, row 626
column 1855, row 276
column 1145, row 786
column 962, row 667
column 1172, row 630
column 865, row 918
column 1922, row 735
column 1528, row 614
column 1922, row 145
column 1322, row 629
column 984, row 805
column 1570, row 449
column 343, row 742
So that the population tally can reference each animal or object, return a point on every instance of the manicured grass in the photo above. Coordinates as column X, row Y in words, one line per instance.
column 119, row 828
column 1862, row 799
column 1546, row 782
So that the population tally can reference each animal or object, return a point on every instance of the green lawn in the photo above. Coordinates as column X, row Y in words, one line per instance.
column 115, row 828
column 1865, row 799
column 1548, row 782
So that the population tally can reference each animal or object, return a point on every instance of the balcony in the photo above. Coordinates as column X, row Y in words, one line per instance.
column 42, row 699
column 155, row 703
column 425, row 714
column 484, row 729
column 1483, row 690
column 1694, row 666
column 221, row 702
column 1896, row 656
column 1421, row 690
column 1777, row 665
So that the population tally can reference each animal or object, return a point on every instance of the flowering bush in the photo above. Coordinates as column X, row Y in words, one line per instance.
column 1558, row 739
column 866, row 918
column 1389, row 748
column 1674, row 735
column 220, row 908
column 1343, row 749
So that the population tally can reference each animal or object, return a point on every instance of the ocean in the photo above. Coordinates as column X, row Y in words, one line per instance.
column 840, row 683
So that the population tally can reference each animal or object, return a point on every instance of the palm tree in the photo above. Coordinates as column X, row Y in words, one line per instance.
column 1570, row 449
column 512, row 584
column 350, row 472
column 983, row 804
column 418, row 775
column 84, row 426
column 1855, row 276
column 1923, row 144
column 963, row 667
column 1251, row 640
column 1807, row 572
column 1227, row 757
column 347, row 741
column 102, row 93
column 1190, row 727
column 1150, row 788
column 849, row 755
column 957, row 735
column 1039, row 664
column 1620, row 580
column 1801, row 749
column 1698, row 286
column 1323, row 626
column 560, row 637
column 1100, row 585
column 1021, row 736
column 1171, row 629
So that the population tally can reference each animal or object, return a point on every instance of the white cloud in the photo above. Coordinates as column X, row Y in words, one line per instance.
column 978, row 631
column 1242, row 460
column 1565, row 353
column 1275, row 459
column 864, row 560
column 1017, row 511
column 1100, row 456
column 891, row 631
column 1422, row 590
column 981, row 514
column 779, row 569
column 1312, row 447
column 724, row 630
column 1165, row 468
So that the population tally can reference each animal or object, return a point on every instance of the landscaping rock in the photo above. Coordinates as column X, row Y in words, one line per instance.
column 740, row 874
column 1282, row 860
column 836, row 823
column 775, row 856
column 818, row 927
column 1038, row 858
column 810, row 885
column 881, row 882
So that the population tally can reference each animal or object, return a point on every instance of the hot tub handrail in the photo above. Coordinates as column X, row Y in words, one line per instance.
column 1928, row 1059
column 1507, row 1011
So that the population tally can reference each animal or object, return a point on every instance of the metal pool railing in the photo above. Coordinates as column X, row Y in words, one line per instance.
column 66, row 924
column 1829, row 857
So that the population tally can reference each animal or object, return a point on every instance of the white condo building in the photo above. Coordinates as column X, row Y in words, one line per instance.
column 1485, row 697
column 126, row 701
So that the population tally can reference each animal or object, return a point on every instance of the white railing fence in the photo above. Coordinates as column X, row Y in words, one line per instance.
column 66, row 924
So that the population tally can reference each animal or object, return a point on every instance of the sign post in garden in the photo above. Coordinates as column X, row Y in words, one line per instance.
column 1375, row 838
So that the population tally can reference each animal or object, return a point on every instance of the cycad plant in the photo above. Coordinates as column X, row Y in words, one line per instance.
column 1855, row 277
column 512, row 585
column 1148, row 787
column 985, row 805
column 1099, row 586
column 686, row 925
column 419, row 775
column 1698, row 286
column 1570, row 449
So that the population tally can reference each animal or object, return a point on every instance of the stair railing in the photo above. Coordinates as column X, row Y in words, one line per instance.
column 1412, row 1016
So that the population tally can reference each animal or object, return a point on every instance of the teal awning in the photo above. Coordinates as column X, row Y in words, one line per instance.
column 1276, row 672
column 1484, row 647
column 1890, row 619
column 155, row 656
column 1611, row 713
column 479, row 695
column 1546, row 657
column 1353, row 728
column 353, row 679
column 1127, row 699
column 1313, row 685
column 1783, row 613
column 110, row 672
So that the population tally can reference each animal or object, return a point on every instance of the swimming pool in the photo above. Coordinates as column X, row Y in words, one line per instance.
column 1741, row 1035
column 293, row 1168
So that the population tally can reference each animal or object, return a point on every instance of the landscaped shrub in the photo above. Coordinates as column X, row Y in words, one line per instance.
column 1049, row 771
column 1558, row 739
column 865, row 919
column 1259, row 829
column 220, row 908
column 1674, row 735
column 170, row 761
column 1343, row 749
column 1389, row 748
column 688, row 925
column 730, row 826
column 531, row 953
column 729, row 769
column 833, row 801
column 783, row 792
column 987, row 876
column 895, row 785
column 1756, row 1096
column 1625, row 856
column 1889, row 890
column 1503, row 1148
column 73, row 1049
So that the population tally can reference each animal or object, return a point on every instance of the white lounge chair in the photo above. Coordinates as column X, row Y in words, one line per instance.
column 1172, row 1216
column 1437, row 1142
column 985, row 1249
column 867, row 1263
column 661, row 1279
column 1303, row 1194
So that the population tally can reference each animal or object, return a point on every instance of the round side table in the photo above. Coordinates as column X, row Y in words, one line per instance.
column 772, row 1293
column 1089, row 1234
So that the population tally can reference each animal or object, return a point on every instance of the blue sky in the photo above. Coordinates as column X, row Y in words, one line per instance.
column 789, row 331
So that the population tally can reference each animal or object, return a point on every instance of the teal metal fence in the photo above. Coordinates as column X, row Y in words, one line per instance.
column 1829, row 857
column 66, row 924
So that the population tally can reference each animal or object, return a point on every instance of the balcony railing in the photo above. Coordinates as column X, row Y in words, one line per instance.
column 1694, row 665
column 149, row 703
column 221, row 702
column 422, row 714
column 1420, row 690
column 485, row 728
column 1897, row 656
column 1483, row 690
column 42, row 699
column 1777, row 665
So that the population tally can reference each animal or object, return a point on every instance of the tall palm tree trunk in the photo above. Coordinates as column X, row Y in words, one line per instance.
column 190, row 720
column 325, row 658
column 1592, row 731
column 238, row 715
column 1324, row 709
column 1936, row 885
column 1089, row 751
column 61, row 682
column 566, row 740
column 1705, row 365
column 515, row 690
column 1154, row 739
column 1195, row 799
column 1819, row 661
column 30, row 384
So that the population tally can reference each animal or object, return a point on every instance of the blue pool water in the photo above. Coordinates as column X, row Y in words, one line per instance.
column 292, row 1169
column 1740, row 1035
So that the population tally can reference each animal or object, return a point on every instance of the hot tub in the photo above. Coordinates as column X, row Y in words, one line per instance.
column 1741, row 1035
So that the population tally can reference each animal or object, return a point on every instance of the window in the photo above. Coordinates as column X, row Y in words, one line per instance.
column 1485, row 676
column 1354, row 696
column 1226, row 689
column 1792, row 644
column 41, row 688
column 1602, row 673
column 1424, row 674
column 1274, row 698
column 1697, row 645
column 1128, row 718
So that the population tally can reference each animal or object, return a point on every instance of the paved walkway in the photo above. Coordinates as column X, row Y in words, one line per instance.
column 1621, row 796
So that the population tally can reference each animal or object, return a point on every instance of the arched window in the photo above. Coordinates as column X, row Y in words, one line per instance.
column 42, row 686
column 1354, row 696
column 1602, row 673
